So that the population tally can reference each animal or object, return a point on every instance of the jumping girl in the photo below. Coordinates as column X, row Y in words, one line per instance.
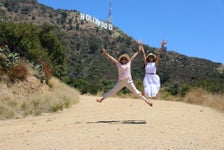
column 124, row 76
column 151, row 80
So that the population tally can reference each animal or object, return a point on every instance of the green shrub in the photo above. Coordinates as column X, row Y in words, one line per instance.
column 213, row 86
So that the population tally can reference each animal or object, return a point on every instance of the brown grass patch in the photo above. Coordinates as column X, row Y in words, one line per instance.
column 46, row 70
column 18, row 72
column 202, row 97
column 24, row 98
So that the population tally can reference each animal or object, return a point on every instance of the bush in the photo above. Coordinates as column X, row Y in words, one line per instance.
column 184, row 89
column 47, row 71
column 213, row 86
column 18, row 72
column 173, row 89
column 178, row 90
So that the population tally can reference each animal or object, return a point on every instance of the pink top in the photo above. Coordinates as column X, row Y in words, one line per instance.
column 124, row 71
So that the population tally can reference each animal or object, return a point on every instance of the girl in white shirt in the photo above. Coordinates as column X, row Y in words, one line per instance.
column 151, row 80
column 124, row 76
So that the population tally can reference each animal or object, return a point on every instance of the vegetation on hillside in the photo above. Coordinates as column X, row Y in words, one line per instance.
column 38, row 45
column 71, row 48
column 25, row 51
column 30, row 97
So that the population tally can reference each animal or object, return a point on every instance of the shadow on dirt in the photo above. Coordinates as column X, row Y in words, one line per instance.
column 121, row 121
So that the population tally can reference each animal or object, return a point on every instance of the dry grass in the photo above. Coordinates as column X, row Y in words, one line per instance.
column 59, row 97
column 201, row 97
column 63, row 91
column 195, row 96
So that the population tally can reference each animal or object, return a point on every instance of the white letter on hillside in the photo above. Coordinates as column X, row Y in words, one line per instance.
column 97, row 21
column 82, row 16
column 110, row 27
column 88, row 17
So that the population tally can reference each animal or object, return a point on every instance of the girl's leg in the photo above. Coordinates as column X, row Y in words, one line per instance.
column 118, row 86
column 131, row 86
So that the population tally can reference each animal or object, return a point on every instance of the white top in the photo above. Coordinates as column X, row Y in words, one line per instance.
column 150, row 68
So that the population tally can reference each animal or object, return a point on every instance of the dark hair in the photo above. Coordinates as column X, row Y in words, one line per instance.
column 154, row 59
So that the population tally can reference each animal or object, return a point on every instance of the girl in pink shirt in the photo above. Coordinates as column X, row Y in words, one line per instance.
column 124, row 76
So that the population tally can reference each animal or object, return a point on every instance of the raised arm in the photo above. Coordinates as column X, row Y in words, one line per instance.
column 143, row 51
column 135, row 54
column 109, row 56
column 163, row 43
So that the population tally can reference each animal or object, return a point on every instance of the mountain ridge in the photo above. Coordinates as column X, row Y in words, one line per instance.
column 84, row 41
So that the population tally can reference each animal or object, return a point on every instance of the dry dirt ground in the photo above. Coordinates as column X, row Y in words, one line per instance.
column 118, row 124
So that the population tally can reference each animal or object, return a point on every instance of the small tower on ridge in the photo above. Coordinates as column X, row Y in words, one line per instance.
column 109, row 18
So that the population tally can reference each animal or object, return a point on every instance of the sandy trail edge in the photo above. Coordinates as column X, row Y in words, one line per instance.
column 98, row 126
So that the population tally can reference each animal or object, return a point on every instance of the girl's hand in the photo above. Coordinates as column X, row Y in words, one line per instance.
column 163, row 43
column 104, row 51
column 140, row 45
column 140, row 42
column 140, row 48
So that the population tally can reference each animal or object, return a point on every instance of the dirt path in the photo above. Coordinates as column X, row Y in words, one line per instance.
column 118, row 124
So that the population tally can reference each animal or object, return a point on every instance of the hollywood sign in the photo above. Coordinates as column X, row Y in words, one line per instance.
column 96, row 21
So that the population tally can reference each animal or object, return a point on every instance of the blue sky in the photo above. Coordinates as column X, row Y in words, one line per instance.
column 193, row 28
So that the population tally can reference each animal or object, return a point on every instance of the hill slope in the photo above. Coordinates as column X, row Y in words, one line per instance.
column 87, row 69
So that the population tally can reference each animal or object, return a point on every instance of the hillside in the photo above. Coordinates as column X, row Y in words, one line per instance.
column 87, row 69
column 31, row 97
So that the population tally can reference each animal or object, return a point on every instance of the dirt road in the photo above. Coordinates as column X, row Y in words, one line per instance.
column 118, row 124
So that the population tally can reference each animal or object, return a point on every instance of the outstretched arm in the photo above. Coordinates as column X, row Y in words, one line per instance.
column 135, row 54
column 163, row 43
column 109, row 56
column 143, row 51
